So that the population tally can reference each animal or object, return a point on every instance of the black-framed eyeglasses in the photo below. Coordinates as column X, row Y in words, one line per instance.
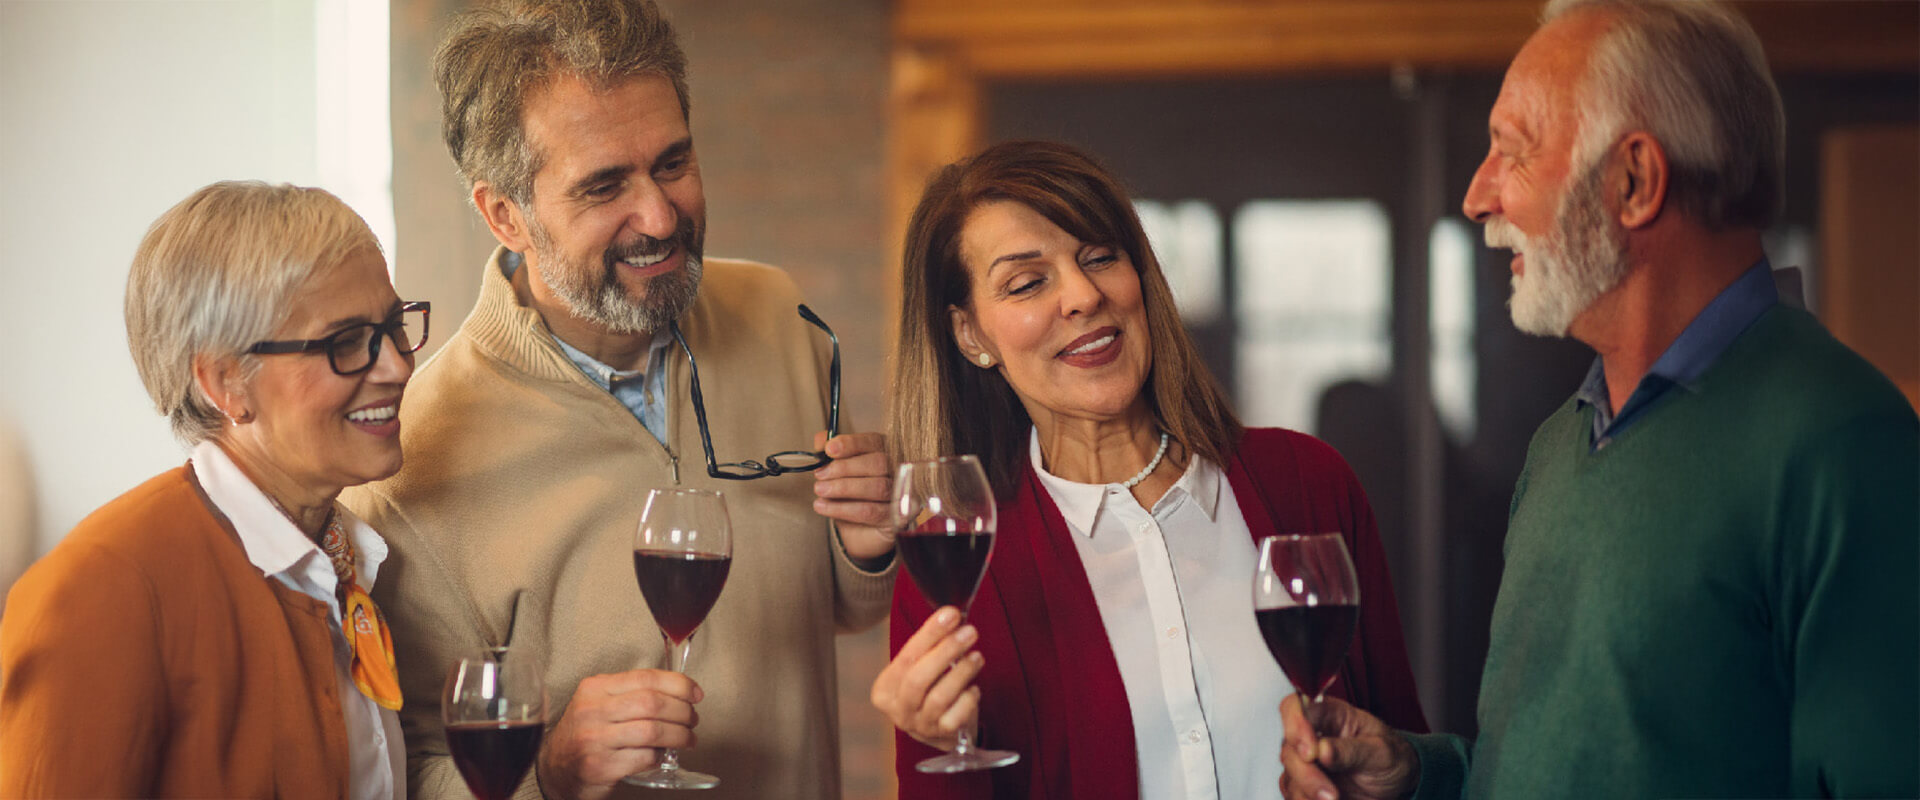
column 354, row 349
column 782, row 462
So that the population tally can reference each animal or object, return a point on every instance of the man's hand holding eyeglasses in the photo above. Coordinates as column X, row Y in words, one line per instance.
column 854, row 490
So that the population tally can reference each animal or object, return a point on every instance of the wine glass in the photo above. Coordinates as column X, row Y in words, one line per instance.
column 495, row 710
column 943, row 520
column 681, row 555
column 1307, row 602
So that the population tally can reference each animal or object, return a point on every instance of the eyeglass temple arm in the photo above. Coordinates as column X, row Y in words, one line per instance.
column 833, row 374
column 699, row 402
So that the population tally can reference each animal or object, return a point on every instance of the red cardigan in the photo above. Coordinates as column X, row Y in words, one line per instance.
column 1051, row 689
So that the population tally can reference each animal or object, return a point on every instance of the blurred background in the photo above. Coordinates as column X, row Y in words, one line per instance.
column 1299, row 165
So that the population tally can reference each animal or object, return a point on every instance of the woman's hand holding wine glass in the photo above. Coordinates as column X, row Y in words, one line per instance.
column 943, row 517
column 927, row 689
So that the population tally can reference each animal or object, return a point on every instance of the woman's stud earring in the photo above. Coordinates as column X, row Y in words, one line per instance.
column 986, row 360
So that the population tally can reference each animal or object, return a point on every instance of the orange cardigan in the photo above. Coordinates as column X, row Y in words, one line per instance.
column 147, row 657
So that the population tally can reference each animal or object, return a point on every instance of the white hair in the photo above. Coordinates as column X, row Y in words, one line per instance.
column 216, row 273
column 1691, row 73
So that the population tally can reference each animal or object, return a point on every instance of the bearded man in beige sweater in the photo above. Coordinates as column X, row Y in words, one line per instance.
column 533, row 436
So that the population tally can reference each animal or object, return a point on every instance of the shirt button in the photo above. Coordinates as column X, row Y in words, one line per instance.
column 1193, row 736
column 1173, row 633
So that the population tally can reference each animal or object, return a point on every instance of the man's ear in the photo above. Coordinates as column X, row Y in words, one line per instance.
column 1639, row 178
column 967, row 337
column 220, row 380
column 503, row 216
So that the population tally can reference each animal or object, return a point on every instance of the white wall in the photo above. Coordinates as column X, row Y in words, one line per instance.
column 115, row 110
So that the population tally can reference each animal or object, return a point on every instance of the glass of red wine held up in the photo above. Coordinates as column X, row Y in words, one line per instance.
column 681, row 556
column 943, row 521
column 1307, row 602
column 495, row 709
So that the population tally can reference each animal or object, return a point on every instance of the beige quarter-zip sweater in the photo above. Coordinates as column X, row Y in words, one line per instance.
column 515, row 512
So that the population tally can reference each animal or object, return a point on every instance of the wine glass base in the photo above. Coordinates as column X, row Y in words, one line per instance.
column 975, row 759
column 658, row 778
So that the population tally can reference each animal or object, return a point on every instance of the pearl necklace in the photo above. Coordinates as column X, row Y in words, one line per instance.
column 1157, row 455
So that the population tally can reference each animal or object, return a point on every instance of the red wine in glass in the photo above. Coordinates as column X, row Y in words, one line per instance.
column 682, row 553
column 943, row 519
column 680, row 588
column 1306, row 600
column 493, row 757
column 946, row 566
column 495, row 709
column 1309, row 641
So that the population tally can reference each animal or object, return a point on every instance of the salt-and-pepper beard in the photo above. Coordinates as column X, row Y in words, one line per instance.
column 599, row 297
column 1583, row 257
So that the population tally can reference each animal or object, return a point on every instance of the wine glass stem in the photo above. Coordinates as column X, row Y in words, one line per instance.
column 677, row 661
column 966, row 732
column 669, row 760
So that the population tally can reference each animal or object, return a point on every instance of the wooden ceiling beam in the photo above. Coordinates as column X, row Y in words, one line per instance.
column 1041, row 39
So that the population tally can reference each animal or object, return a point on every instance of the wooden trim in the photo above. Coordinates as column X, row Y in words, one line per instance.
column 936, row 117
column 1870, row 256
column 1037, row 39
column 945, row 51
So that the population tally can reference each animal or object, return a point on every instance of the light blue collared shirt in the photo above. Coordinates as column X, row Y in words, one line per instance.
column 1692, row 352
column 642, row 391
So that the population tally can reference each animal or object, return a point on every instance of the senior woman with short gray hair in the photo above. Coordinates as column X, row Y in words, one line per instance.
column 209, row 633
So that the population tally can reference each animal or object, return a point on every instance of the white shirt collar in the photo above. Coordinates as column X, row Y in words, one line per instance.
column 272, row 542
column 1080, row 503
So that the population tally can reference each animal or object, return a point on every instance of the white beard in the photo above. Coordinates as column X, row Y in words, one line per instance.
column 1585, row 256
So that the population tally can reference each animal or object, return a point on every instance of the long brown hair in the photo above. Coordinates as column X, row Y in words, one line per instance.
column 943, row 405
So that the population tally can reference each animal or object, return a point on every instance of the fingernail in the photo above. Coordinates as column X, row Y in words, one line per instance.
column 967, row 634
column 820, row 488
column 947, row 616
column 1326, row 794
column 820, row 506
column 976, row 658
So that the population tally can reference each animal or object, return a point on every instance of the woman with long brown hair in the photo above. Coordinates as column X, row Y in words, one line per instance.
column 1112, row 643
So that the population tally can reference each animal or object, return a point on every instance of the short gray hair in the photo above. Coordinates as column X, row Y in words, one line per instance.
column 1693, row 74
column 216, row 273
column 494, row 58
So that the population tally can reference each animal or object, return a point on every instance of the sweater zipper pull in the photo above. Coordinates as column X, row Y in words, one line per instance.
column 673, row 464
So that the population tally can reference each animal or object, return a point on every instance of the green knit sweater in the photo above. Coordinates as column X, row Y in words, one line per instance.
column 1721, row 602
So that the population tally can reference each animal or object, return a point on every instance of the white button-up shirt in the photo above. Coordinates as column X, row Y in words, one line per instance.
column 376, row 756
column 1175, row 590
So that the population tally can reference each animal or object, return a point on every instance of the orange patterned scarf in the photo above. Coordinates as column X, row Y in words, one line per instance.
column 373, row 666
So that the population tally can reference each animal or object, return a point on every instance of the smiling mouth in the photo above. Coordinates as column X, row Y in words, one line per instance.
column 1091, row 346
column 374, row 416
column 1095, row 349
column 377, row 417
column 645, row 261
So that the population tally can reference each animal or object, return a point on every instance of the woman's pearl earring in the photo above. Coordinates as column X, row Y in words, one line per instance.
column 986, row 360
